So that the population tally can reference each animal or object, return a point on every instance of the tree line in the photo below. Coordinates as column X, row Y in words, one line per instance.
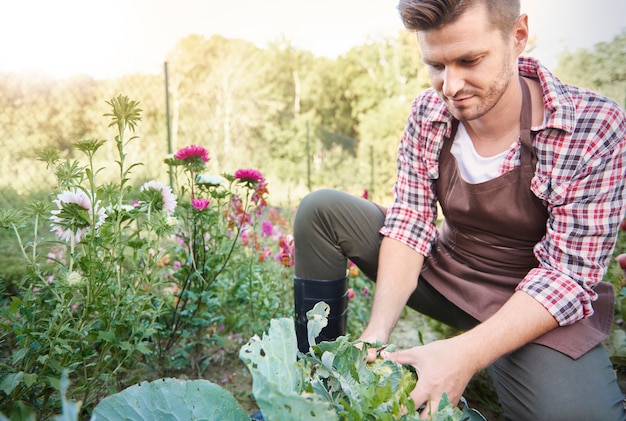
column 305, row 121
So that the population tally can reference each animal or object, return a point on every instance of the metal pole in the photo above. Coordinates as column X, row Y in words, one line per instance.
column 308, row 156
column 371, row 173
column 167, row 118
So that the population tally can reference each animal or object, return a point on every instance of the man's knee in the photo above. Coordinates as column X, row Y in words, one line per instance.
column 313, row 207
column 536, row 383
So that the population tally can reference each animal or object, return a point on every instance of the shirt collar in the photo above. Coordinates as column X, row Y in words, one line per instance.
column 558, row 104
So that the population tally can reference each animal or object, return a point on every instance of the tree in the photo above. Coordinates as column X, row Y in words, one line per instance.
column 602, row 69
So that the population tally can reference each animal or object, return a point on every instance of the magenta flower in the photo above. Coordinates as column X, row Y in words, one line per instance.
column 249, row 175
column 267, row 229
column 200, row 204
column 192, row 152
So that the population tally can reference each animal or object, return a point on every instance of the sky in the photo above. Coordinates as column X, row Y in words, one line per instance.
column 108, row 38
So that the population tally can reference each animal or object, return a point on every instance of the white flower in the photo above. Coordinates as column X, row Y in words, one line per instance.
column 74, row 213
column 74, row 278
column 211, row 180
column 171, row 221
column 169, row 200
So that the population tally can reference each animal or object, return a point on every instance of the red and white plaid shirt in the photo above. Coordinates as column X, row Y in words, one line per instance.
column 580, row 175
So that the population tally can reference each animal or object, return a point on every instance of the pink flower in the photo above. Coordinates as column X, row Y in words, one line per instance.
column 249, row 175
column 192, row 152
column 366, row 194
column 366, row 291
column 74, row 214
column 351, row 294
column 200, row 204
column 167, row 202
column 267, row 229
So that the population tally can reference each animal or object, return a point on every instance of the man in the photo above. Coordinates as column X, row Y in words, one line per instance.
column 529, row 173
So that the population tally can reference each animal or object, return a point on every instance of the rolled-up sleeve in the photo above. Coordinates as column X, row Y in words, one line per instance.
column 411, row 219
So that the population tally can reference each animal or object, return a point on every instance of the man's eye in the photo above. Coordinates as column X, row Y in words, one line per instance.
column 471, row 62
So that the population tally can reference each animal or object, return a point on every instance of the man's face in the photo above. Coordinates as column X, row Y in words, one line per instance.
column 470, row 63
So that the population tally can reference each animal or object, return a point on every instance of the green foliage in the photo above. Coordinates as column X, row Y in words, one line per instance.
column 602, row 69
column 130, row 279
column 360, row 297
column 80, row 306
column 617, row 276
column 333, row 381
column 171, row 399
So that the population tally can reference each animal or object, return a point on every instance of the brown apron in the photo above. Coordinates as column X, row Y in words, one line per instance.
column 485, row 246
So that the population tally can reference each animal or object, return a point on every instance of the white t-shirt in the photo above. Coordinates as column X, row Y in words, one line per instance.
column 473, row 167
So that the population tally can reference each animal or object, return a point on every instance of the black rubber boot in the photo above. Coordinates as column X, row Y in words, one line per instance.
column 307, row 293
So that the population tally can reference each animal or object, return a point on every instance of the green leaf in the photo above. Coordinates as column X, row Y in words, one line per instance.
column 11, row 381
column 276, row 383
column 106, row 336
column 171, row 399
column 317, row 319
column 19, row 355
column 141, row 347
column 30, row 379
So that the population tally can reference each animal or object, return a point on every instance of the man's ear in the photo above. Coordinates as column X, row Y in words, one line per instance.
column 520, row 33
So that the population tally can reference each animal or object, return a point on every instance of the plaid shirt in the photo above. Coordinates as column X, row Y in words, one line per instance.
column 580, row 176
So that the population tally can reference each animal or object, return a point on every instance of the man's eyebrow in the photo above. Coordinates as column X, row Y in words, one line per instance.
column 468, row 56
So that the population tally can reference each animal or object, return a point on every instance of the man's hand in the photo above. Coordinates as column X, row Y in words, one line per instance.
column 441, row 368
column 446, row 366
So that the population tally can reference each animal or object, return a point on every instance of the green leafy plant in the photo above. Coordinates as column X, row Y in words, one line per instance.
column 332, row 381
column 84, row 304
column 116, row 274
column 214, row 240
column 171, row 399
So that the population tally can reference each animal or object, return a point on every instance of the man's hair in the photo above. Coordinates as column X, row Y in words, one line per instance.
column 422, row 15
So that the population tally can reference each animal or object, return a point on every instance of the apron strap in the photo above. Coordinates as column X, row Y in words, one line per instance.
column 527, row 153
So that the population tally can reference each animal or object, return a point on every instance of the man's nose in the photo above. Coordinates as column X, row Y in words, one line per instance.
column 453, row 82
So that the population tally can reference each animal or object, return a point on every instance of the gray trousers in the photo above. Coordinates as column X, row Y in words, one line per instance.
column 532, row 383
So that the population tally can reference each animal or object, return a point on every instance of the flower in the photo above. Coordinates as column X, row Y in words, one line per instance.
column 267, row 228
column 192, row 153
column 351, row 294
column 249, row 175
column 200, row 204
column 74, row 215
column 286, row 254
column 74, row 278
column 159, row 196
column 209, row 180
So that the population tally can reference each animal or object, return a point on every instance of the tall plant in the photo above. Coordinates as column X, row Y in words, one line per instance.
column 129, row 278
column 85, row 303
column 213, row 211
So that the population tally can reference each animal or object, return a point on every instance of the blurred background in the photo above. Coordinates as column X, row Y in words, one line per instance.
column 313, row 94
